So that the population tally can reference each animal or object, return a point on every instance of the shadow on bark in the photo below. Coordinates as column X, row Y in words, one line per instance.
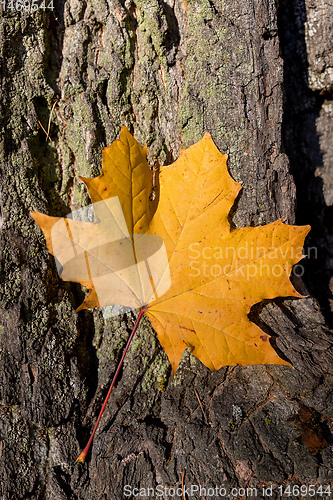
column 301, row 140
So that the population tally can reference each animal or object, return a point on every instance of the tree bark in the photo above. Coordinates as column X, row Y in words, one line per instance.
column 256, row 75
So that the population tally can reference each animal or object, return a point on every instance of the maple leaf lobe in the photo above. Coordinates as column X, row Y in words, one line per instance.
column 196, row 196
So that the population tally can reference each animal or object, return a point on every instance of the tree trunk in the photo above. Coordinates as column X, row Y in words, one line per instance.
column 170, row 71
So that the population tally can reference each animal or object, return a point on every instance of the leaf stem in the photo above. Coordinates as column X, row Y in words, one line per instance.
column 84, row 452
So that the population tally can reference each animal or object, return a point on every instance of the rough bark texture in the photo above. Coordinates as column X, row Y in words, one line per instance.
column 169, row 70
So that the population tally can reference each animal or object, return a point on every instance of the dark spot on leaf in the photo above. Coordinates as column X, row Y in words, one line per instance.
column 189, row 329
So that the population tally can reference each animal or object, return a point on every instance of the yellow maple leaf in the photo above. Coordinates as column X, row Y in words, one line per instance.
column 198, row 291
